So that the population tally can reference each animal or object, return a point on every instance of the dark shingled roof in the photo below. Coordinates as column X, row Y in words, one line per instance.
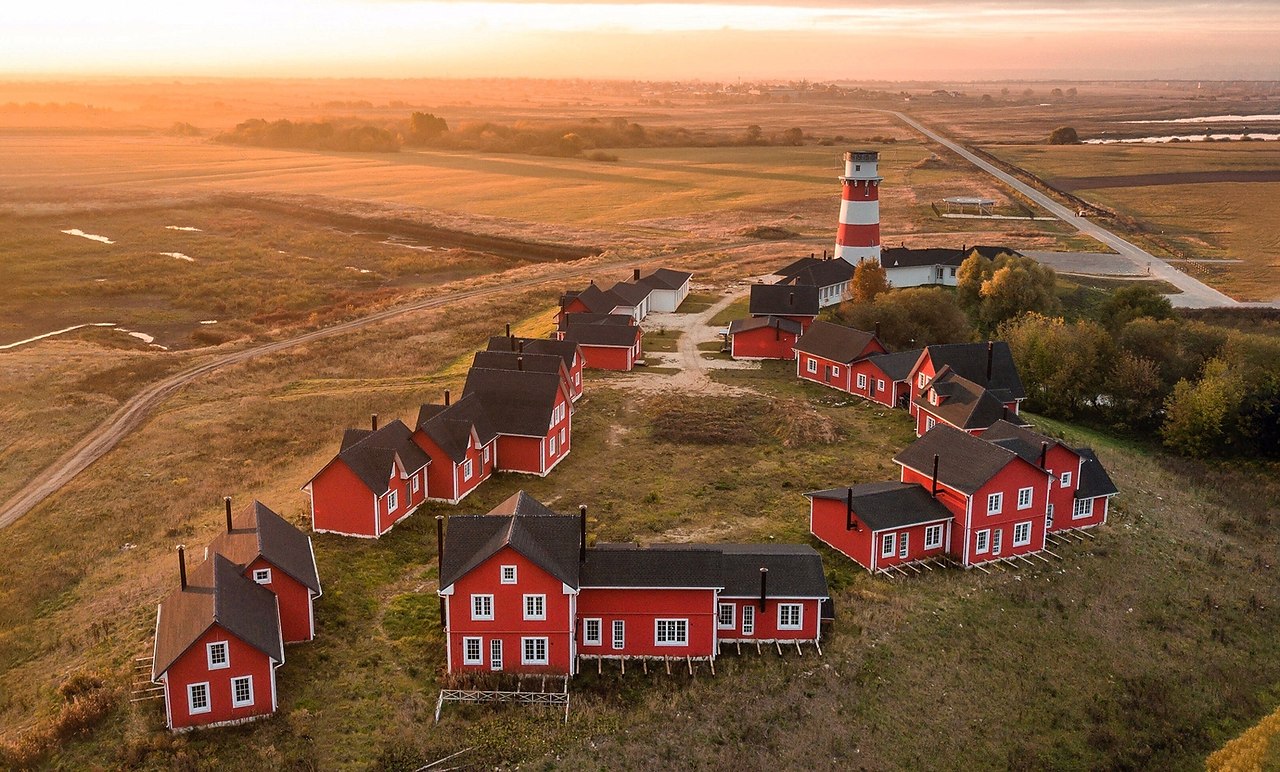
column 259, row 532
column 565, row 349
column 783, row 300
column 450, row 426
column 667, row 279
column 962, row 403
column 969, row 360
column 1094, row 480
column 216, row 593
column 966, row 462
column 834, row 342
column 580, row 319
column 795, row 570
column 897, row 365
column 521, row 503
column 887, row 505
column 661, row 565
column 603, row 334
column 1021, row 439
column 515, row 401
column 758, row 322
column 632, row 293
column 819, row 273
column 508, row 360
column 595, row 299
column 371, row 455
column 903, row 257
column 550, row 541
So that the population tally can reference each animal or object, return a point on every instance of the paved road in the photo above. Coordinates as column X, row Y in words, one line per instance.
column 1195, row 294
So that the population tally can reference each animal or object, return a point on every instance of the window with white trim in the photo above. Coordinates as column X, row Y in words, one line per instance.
column 218, row 655
column 1048, row 516
column 811, row 365
column 995, row 503
column 535, row 607
column 482, row 607
column 591, row 629
column 748, row 620
column 413, row 483
column 888, row 545
column 486, row 454
column 242, row 691
column 671, row 632
column 393, row 501
column 933, row 536
column 1066, row 480
column 1022, row 534
column 790, row 616
column 466, row 470
column 835, row 371
column 508, row 574
column 879, row 384
column 262, row 575
column 577, row 379
column 981, row 542
column 619, row 634
column 862, row 380
column 472, row 651
column 929, row 423
column 1024, row 498
column 921, row 380
column 1083, row 508
column 198, row 698
column 495, row 654
column 726, row 615
column 533, row 651
column 997, row 538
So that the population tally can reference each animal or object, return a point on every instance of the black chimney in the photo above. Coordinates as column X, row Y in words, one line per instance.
column 373, row 421
column 226, row 501
column 582, row 525
column 182, row 566
column 1004, row 412
column 877, row 329
column 508, row 329
column 849, row 524
column 520, row 346
column 991, row 353
column 1044, row 454
column 446, row 398
column 635, row 274
column 933, row 490
column 791, row 298
column 440, row 564
column 519, row 363
column 764, row 585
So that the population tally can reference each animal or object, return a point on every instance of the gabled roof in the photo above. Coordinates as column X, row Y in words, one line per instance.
column 1094, row 480
column 451, row 426
column 595, row 299
column 565, row 349
column 783, row 300
column 515, row 401
column 795, row 570
column 603, row 334
column 661, row 565
column 550, row 541
column 760, row 322
column 888, row 505
column 666, row 279
column 904, row 257
column 969, row 360
column 509, row 360
column 259, row 532
column 580, row 319
column 834, row 342
column 795, row 267
column 216, row 593
column 521, row 503
column 965, row 462
column 961, row 402
column 821, row 273
column 1021, row 439
column 632, row 293
column 897, row 366
column 372, row 455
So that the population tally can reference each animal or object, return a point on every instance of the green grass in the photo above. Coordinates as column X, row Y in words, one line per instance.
column 696, row 303
column 735, row 310
column 661, row 340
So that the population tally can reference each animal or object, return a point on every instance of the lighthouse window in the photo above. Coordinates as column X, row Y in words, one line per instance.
column 857, row 167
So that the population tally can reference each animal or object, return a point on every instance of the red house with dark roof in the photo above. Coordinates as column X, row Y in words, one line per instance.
column 826, row 354
column 217, row 646
column 797, row 303
column 462, row 444
column 519, row 360
column 951, row 399
column 531, row 412
column 888, row 377
column 377, row 479
column 567, row 350
column 763, row 337
column 882, row 524
column 989, row 365
column 607, row 341
column 271, row 552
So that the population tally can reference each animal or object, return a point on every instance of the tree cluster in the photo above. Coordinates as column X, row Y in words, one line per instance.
column 312, row 135
column 994, row 291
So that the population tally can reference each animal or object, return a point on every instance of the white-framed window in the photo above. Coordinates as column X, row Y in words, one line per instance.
column 835, row 371
column 1024, row 498
column 1022, row 534
column 591, row 632
column 929, row 422
column 1066, row 480
column 790, row 616
column 198, row 698
column 726, row 616
column 242, row 691
column 933, row 536
column 393, row 500
column 995, row 503
column 535, row 607
column 472, row 651
column 811, row 365
column 577, row 379
column 218, row 655
column 533, row 651
column 879, row 384
column 904, row 547
column 671, row 632
column 982, row 542
column 933, row 396
column 921, row 380
column 413, row 484
column 748, row 620
column 552, row 446
column 997, row 539
column 495, row 654
column 508, row 574
column 888, row 545
column 1048, row 516
column 466, row 469
column 482, row 607
column 1083, row 508
column 486, row 454
column 262, row 575
column 619, row 634
column 862, row 380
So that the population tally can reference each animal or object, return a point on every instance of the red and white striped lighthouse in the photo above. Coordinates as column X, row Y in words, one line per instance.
column 859, row 236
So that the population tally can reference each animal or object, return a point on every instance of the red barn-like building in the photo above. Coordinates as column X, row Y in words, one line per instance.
column 607, row 341
column 881, row 524
column 826, row 354
column 988, row 365
column 951, row 399
column 567, row 350
column 462, row 444
column 763, row 337
column 891, row 375
column 532, row 414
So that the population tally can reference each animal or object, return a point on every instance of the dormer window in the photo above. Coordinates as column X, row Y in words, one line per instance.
column 933, row 397
column 262, row 575
column 218, row 655
column 508, row 574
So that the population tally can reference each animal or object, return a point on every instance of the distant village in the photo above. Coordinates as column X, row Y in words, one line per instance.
column 525, row 590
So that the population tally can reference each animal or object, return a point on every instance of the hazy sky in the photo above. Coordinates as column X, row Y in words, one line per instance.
column 817, row 39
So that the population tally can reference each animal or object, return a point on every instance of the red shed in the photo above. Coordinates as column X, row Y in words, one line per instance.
column 773, row 593
column 826, row 352
column 887, row 377
column 217, row 647
column 763, row 337
column 881, row 524
column 606, row 343
column 462, row 444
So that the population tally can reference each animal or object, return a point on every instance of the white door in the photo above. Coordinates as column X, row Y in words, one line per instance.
column 902, row 546
column 748, row 620
column 495, row 654
column 995, row 541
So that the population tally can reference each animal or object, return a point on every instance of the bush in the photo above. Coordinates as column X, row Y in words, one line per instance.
column 1064, row 135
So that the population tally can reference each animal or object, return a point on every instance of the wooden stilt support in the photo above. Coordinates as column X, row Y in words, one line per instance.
column 758, row 651
column 1087, row 534
column 981, row 568
column 644, row 663
column 779, row 645
column 1038, row 556
column 599, row 665
column 739, row 645
column 689, row 661
column 818, row 647
column 798, row 650
column 623, row 661
column 1055, row 555
column 712, row 663
column 667, row 662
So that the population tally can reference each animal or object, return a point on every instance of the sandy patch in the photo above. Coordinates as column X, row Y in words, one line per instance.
column 359, row 270
column 179, row 256
column 181, row 228
column 35, row 338
column 209, row 321
column 89, row 236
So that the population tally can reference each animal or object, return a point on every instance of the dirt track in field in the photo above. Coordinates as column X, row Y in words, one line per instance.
column 1167, row 178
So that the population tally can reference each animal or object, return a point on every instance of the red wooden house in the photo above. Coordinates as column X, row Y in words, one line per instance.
column 378, row 478
column 608, row 341
column 826, row 354
column 271, row 552
column 594, row 300
column 567, row 350
column 763, row 337
column 797, row 303
column 532, row 414
column 951, row 399
column 217, row 646
column 882, row 524
column 989, row 365
column 462, row 444
column 519, row 360
column 998, row 500
column 888, row 377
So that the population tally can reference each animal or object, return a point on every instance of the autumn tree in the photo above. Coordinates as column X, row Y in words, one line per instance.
column 1003, row 288
column 1199, row 415
column 1133, row 302
column 909, row 318
column 869, row 280
column 1063, row 365
column 424, row 127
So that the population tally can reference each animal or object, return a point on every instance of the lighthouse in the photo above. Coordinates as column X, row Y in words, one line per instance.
column 859, row 236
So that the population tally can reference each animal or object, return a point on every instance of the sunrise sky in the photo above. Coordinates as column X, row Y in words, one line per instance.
column 818, row 39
